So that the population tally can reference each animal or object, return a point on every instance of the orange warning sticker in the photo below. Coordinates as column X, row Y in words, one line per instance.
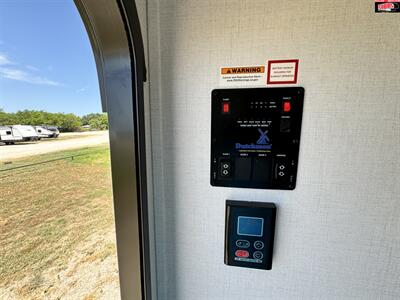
column 243, row 76
column 243, row 70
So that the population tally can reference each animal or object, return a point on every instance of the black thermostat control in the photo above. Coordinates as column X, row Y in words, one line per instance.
column 249, row 234
column 255, row 137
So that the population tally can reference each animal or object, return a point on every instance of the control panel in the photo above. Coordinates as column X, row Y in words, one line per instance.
column 255, row 137
column 249, row 234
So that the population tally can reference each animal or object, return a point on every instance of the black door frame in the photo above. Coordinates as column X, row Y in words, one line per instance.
column 115, row 35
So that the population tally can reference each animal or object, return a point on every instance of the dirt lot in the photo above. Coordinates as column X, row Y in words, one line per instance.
column 57, row 238
column 65, row 141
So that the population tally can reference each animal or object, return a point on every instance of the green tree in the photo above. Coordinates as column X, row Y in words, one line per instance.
column 65, row 122
column 70, row 122
column 6, row 118
column 96, row 121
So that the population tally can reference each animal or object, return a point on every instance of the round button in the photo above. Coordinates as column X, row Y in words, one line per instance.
column 258, row 245
column 258, row 255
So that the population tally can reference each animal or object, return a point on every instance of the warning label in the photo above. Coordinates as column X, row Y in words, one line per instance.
column 242, row 76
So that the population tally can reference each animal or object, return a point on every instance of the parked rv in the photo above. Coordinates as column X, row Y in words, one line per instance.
column 54, row 129
column 27, row 132
column 44, row 132
column 9, row 136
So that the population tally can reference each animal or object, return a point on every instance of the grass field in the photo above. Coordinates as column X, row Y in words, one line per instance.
column 56, row 222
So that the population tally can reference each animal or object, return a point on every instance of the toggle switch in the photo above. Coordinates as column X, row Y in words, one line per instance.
column 285, row 124
column 286, row 106
column 226, row 107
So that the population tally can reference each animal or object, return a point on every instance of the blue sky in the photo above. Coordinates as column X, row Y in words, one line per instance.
column 46, row 61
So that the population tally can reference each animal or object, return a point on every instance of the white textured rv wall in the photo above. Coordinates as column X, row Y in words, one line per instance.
column 338, row 232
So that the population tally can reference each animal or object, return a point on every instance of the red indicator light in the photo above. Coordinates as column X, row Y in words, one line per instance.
column 242, row 253
column 286, row 106
column 225, row 107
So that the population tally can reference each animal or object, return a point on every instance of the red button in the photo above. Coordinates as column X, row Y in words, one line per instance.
column 225, row 107
column 242, row 253
column 286, row 106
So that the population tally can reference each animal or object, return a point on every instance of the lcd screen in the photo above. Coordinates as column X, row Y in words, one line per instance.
column 250, row 226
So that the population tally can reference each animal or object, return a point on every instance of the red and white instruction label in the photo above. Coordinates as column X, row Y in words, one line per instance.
column 282, row 71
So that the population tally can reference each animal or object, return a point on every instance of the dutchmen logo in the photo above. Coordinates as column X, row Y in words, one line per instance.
column 263, row 143
column 263, row 140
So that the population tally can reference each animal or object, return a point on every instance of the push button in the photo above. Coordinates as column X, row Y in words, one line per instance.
column 281, row 172
column 225, row 169
column 242, row 253
column 258, row 245
column 281, row 169
column 242, row 244
column 258, row 255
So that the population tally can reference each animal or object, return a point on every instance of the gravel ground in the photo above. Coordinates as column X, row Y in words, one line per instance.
column 74, row 141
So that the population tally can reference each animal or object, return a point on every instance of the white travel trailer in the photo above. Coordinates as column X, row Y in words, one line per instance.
column 27, row 132
column 46, row 132
column 9, row 136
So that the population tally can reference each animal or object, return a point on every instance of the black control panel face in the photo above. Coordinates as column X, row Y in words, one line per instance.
column 255, row 137
column 249, row 234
